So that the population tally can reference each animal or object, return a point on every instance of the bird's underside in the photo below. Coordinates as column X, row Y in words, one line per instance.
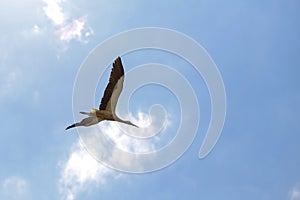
column 109, row 100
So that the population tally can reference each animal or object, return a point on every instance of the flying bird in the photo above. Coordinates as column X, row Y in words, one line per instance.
column 107, row 108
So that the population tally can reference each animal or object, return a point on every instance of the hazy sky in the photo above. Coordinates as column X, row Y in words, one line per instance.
column 256, row 47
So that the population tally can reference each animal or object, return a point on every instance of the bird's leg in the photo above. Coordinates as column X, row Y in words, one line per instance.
column 84, row 113
column 90, row 114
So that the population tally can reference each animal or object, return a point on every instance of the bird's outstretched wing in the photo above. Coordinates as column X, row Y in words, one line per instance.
column 113, row 88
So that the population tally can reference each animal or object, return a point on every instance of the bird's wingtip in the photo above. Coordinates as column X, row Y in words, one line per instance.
column 118, row 59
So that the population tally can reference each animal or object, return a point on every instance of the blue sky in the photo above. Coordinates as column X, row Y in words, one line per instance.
column 255, row 46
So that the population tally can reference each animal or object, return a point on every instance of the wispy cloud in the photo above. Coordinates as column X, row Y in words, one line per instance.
column 56, row 25
column 294, row 193
column 75, row 30
column 79, row 171
column 14, row 187
column 66, row 28
column 53, row 10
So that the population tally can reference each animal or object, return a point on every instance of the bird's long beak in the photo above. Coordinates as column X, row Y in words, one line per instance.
column 71, row 126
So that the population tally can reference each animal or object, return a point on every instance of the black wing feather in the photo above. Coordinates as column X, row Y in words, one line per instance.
column 116, row 73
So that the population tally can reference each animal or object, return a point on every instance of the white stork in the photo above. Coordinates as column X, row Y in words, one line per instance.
column 107, row 108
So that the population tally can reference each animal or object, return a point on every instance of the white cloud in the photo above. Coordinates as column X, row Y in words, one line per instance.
column 75, row 30
column 109, row 142
column 294, row 193
column 128, row 138
column 65, row 28
column 53, row 10
column 79, row 171
column 14, row 187
column 36, row 29
column 55, row 25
